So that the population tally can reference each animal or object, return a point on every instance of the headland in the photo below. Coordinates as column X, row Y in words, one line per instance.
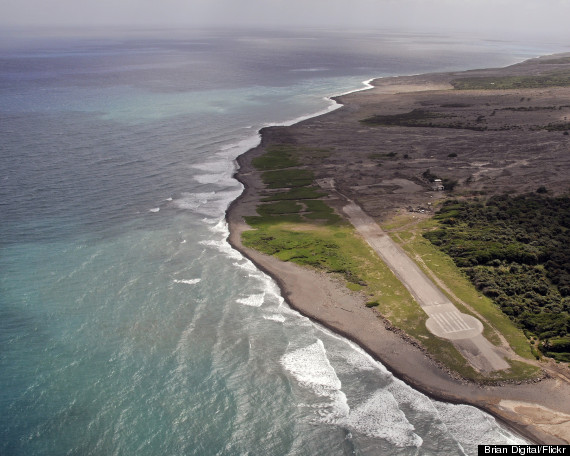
column 483, row 132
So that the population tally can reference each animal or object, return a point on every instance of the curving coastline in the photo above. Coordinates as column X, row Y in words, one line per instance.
column 539, row 411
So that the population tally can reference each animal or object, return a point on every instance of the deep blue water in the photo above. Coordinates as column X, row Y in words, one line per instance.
column 127, row 323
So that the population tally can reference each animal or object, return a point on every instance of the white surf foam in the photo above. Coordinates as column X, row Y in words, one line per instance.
column 255, row 300
column 381, row 417
column 218, row 166
column 366, row 360
column 154, row 209
column 193, row 200
column 222, row 247
column 220, row 179
column 220, row 227
column 249, row 267
column 405, row 395
column 211, row 204
column 470, row 426
column 332, row 106
column 240, row 146
column 360, row 362
column 311, row 368
column 308, row 70
column 217, row 172
column 187, row 281
column 273, row 289
column 275, row 317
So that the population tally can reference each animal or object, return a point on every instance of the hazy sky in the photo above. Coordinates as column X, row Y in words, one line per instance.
column 489, row 17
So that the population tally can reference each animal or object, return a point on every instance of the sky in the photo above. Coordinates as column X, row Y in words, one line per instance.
column 497, row 18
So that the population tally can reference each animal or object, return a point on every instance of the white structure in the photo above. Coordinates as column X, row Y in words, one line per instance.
column 437, row 185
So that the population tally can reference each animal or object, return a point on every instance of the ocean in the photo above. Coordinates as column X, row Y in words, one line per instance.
column 128, row 325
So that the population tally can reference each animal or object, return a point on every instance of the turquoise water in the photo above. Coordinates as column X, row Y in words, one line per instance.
column 127, row 323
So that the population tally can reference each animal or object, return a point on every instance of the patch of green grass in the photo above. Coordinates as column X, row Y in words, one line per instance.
column 355, row 286
column 287, row 178
column 279, row 207
column 277, row 156
column 559, row 79
column 520, row 370
column 563, row 126
column 456, row 105
column 268, row 220
column 318, row 210
column 420, row 118
column 415, row 118
column 295, row 193
column 397, row 222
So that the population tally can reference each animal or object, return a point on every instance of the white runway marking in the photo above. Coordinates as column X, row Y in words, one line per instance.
column 451, row 322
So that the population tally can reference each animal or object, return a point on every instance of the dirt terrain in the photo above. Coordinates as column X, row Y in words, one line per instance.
column 482, row 141
column 381, row 167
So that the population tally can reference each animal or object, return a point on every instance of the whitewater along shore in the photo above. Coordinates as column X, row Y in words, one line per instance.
column 489, row 140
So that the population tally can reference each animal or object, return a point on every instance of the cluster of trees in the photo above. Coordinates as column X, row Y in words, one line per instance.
column 516, row 250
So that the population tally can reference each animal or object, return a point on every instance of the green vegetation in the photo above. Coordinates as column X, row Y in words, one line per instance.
column 558, row 79
column 295, row 193
column 415, row 118
column 557, row 127
column 515, row 251
column 277, row 157
column 421, row 118
column 294, row 225
column 436, row 263
column 530, row 108
column 279, row 208
column 456, row 105
column 287, row 178
column 377, row 156
column 334, row 247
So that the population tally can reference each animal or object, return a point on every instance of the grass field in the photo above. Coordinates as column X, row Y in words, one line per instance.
column 558, row 79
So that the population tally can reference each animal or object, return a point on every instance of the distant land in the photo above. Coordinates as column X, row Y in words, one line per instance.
column 428, row 220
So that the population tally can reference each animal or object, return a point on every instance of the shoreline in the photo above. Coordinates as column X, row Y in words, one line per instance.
column 406, row 361
column 411, row 381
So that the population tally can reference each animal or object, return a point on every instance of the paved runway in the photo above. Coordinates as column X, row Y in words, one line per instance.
column 444, row 320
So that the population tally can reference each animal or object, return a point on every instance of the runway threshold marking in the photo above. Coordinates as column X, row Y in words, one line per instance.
column 451, row 322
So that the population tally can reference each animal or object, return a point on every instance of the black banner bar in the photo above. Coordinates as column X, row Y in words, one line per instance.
column 523, row 450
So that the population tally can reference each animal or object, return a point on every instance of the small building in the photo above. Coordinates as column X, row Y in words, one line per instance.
column 437, row 185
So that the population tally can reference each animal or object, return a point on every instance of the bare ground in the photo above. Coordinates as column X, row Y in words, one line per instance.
column 381, row 169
